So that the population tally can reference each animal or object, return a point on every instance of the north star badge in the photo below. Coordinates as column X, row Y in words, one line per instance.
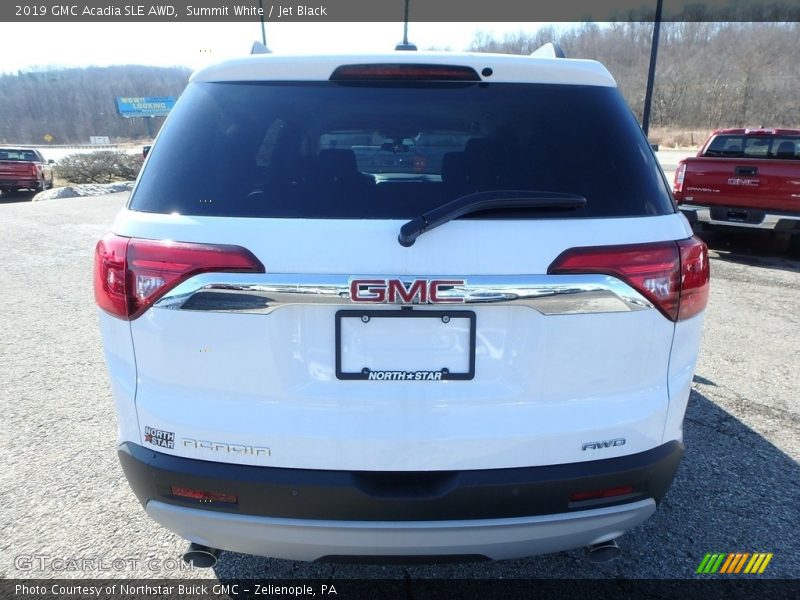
column 157, row 437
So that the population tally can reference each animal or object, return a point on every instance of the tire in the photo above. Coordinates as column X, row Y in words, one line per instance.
column 793, row 248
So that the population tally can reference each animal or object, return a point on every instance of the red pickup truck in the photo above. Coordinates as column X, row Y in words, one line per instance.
column 743, row 178
column 24, row 169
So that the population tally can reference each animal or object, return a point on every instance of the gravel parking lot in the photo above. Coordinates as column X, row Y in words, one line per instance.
column 64, row 498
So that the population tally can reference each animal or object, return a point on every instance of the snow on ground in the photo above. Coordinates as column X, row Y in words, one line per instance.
column 84, row 189
column 57, row 154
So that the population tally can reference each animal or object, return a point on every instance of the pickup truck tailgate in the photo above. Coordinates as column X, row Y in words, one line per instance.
column 763, row 184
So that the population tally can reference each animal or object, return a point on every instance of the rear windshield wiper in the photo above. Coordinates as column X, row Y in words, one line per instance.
column 490, row 200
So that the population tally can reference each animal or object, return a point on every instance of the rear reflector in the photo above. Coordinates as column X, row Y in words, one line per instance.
column 622, row 490
column 674, row 276
column 202, row 495
column 392, row 72
column 131, row 274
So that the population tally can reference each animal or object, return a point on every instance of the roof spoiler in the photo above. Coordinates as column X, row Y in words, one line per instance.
column 259, row 48
column 549, row 50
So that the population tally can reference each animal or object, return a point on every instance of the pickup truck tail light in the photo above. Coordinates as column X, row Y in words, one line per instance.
column 130, row 274
column 674, row 276
column 677, row 185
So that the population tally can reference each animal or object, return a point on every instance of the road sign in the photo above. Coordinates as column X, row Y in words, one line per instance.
column 144, row 106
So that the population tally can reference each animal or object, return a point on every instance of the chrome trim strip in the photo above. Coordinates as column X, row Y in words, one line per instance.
column 770, row 221
column 264, row 293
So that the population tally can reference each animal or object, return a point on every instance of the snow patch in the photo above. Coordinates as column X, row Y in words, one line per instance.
column 85, row 189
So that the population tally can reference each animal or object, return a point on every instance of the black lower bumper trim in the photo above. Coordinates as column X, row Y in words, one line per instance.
column 400, row 496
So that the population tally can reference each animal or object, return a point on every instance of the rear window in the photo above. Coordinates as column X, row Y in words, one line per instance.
column 20, row 155
column 391, row 151
column 741, row 146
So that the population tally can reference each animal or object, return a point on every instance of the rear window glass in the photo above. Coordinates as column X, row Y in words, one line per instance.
column 21, row 155
column 385, row 150
column 735, row 146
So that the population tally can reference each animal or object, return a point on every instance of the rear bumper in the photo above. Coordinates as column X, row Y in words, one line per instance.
column 741, row 217
column 27, row 184
column 308, row 514
column 305, row 539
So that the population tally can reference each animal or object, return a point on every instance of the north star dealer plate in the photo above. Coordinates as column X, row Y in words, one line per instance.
column 405, row 345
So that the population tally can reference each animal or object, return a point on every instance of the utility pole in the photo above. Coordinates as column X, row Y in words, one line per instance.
column 651, row 74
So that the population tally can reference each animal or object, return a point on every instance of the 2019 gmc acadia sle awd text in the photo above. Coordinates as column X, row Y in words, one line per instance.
column 407, row 305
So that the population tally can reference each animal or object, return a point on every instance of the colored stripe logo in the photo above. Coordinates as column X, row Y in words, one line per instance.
column 734, row 562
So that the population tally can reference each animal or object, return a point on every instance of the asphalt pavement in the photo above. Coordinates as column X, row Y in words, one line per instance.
column 66, row 509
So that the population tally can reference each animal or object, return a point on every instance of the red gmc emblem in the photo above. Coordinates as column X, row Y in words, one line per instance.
column 397, row 291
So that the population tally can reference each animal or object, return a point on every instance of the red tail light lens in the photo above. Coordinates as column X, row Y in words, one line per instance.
column 677, row 185
column 622, row 490
column 695, row 277
column 203, row 496
column 666, row 273
column 392, row 72
column 131, row 274
column 109, row 275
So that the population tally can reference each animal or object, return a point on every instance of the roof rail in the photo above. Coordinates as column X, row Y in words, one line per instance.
column 549, row 50
column 259, row 48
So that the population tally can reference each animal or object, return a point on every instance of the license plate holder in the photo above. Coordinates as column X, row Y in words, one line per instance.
column 436, row 345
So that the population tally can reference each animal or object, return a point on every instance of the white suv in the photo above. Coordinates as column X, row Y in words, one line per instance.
column 415, row 304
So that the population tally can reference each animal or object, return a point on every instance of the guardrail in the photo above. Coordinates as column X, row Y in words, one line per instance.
column 69, row 146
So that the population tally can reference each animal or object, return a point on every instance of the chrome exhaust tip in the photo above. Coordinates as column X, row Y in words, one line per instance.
column 603, row 551
column 201, row 557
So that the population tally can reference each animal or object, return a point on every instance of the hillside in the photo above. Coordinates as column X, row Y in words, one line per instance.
column 72, row 104
column 708, row 74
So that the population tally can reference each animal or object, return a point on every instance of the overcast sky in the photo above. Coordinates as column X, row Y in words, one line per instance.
column 26, row 45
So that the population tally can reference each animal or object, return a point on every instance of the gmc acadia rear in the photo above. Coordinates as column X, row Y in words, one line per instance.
column 412, row 304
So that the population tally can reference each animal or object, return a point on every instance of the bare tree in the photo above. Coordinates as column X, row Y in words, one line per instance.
column 709, row 74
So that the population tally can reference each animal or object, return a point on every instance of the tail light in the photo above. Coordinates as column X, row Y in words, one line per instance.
column 622, row 490
column 394, row 72
column 203, row 496
column 677, row 185
column 695, row 275
column 674, row 276
column 34, row 171
column 130, row 274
